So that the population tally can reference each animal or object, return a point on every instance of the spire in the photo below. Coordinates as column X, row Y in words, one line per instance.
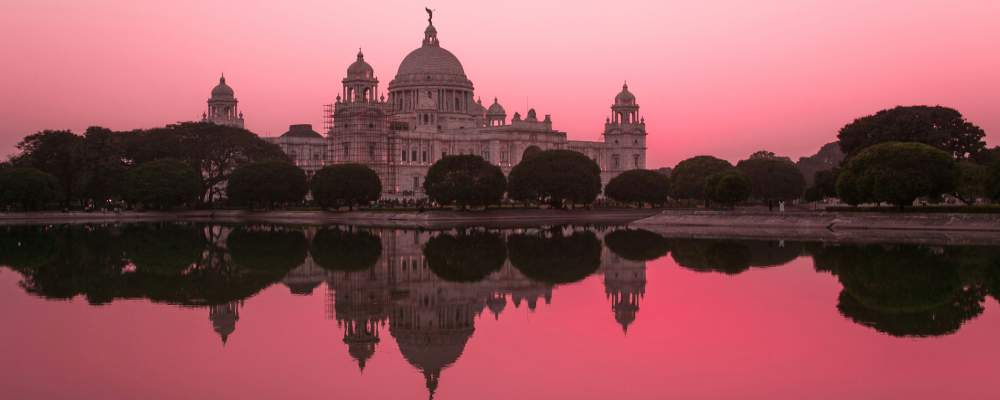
column 361, row 56
column 625, row 85
column 430, row 34
column 222, row 78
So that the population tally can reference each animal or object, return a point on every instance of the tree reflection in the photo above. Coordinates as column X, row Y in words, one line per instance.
column 466, row 256
column 902, row 290
column 732, row 256
column 163, row 248
column 554, row 257
column 637, row 244
column 340, row 249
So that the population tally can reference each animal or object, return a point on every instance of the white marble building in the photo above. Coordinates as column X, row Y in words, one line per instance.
column 431, row 112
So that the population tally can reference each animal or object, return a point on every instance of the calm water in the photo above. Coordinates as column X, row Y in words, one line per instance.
column 183, row 311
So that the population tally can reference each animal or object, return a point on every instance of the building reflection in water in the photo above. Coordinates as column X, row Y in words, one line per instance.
column 427, row 288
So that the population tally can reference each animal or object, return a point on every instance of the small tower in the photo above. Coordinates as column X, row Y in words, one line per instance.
column 625, row 134
column 625, row 286
column 360, row 85
column 222, row 106
column 496, row 115
column 224, row 317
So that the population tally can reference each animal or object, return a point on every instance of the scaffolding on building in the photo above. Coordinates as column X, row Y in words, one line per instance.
column 361, row 133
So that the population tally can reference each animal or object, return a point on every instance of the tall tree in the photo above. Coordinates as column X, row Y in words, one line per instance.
column 556, row 177
column 465, row 180
column 897, row 173
column 102, row 155
column 345, row 185
column 639, row 186
column 162, row 184
column 214, row 150
column 268, row 184
column 57, row 153
column 687, row 180
column 29, row 188
column 772, row 178
column 940, row 127
column 728, row 187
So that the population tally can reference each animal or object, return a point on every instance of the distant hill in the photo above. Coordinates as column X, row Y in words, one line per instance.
column 828, row 157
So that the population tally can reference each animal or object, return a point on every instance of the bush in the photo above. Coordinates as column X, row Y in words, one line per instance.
column 897, row 173
column 345, row 185
column 994, row 182
column 687, row 180
column 162, row 184
column 465, row 180
column 342, row 250
column 268, row 184
column 29, row 188
column 773, row 178
column 728, row 188
column 639, row 186
column 556, row 177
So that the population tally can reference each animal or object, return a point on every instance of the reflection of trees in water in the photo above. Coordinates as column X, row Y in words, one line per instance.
column 465, row 256
column 554, row 257
column 344, row 249
column 905, row 290
column 732, row 256
column 637, row 244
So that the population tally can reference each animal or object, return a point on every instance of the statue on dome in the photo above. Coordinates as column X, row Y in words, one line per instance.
column 430, row 15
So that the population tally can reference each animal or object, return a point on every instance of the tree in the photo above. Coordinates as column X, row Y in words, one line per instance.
column 897, row 173
column 556, row 177
column 267, row 248
column 940, row 127
column 29, row 188
column 465, row 180
column 268, row 184
column 162, row 184
column 215, row 151
column 994, row 182
column 345, row 185
column 102, row 156
column 773, row 178
column 639, row 186
column 465, row 257
column 728, row 188
column 971, row 182
column 687, row 181
column 56, row 153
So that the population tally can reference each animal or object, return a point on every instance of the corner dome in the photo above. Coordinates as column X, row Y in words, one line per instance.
column 625, row 96
column 496, row 109
column 360, row 69
column 222, row 90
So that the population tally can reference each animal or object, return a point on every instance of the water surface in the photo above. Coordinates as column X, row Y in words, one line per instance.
column 180, row 311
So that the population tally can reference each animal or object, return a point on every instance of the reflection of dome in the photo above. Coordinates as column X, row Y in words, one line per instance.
column 360, row 69
column 222, row 90
column 496, row 109
column 496, row 303
column 433, row 351
column 625, row 97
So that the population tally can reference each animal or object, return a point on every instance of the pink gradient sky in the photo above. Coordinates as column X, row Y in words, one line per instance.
column 716, row 77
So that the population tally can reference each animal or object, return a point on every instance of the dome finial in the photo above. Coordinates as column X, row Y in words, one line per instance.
column 625, row 85
column 361, row 56
column 222, row 77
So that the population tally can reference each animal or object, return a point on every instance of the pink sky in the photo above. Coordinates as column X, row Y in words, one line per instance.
column 715, row 77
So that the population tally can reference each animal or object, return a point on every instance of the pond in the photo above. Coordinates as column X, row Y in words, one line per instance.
column 191, row 310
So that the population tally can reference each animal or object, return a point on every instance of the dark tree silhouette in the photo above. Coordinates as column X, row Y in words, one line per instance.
column 773, row 178
column 940, row 127
column 163, row 184
column 728, row 187
column 29, row 188
column 687, row 180
column 556, row 177
column 345, row 185
column 897, row 173
column 267, row 248
column 639, row 186
column 465, row 180
column 163, row 248
column 267, row 184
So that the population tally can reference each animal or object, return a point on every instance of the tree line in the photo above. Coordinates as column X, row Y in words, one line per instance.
column 894, row 156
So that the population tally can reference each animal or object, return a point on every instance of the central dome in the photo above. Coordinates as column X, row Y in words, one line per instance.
column 430, row 60
column 430, row 65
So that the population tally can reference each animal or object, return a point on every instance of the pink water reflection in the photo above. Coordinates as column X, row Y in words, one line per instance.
column 766, row 333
